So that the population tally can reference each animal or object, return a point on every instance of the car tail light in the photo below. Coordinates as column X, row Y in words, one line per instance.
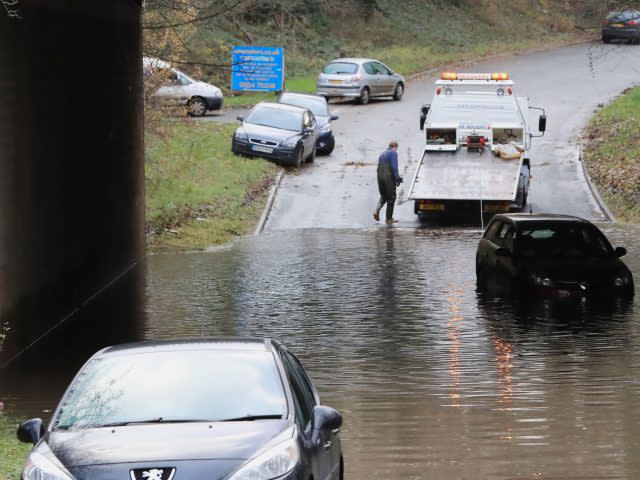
column 438, row 90
column 633, row 22
column 356, row 78
column 510, row 91
column 605, row 21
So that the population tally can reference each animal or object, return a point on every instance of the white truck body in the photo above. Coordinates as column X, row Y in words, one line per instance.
column 451, row 170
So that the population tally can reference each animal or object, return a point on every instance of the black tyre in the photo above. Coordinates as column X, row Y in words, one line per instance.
column 606, row 38
column 398, row 92
column 298, row 157
column 364, row 96
column 481, row 279
column 311, row 158
column 328, row 148
column 197, row 107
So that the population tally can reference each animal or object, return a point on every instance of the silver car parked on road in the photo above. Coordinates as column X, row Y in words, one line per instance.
column 359, row 78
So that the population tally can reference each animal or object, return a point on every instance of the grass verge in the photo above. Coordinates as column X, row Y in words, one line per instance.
column 197, row 192
column 12, row 452
column 611, row 155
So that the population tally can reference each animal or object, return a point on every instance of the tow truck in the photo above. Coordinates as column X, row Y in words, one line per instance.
column 477, row 147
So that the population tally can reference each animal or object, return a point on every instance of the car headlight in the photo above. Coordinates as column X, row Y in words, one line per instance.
column 273, row 463
column 325, row 128
column 241, row 134
column 622, row 280
column 39, row 467
column 290, row 142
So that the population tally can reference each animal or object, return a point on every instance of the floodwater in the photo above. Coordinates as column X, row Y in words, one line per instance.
column 433, row 380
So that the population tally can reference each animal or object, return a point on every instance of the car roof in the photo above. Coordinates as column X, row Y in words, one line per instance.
column 191, row 344
column 355, row 60
column 540, row 217
column 281, row 106
column 312, row 96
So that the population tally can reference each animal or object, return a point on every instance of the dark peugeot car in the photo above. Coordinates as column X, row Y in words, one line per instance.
column 623, row 26
column 233, row 409
column 318, row 106
column 285, row 133
column 554, row 254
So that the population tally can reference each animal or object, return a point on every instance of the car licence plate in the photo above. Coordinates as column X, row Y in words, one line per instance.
column 260, row 148
column 618, row 25
column 335, row 82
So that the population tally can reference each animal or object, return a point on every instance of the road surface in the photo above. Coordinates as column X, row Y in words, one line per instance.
column 340, row 191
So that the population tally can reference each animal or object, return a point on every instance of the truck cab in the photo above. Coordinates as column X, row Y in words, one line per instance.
column 477, row 146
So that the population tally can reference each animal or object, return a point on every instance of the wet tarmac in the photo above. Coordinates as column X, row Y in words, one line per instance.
column 340, row 191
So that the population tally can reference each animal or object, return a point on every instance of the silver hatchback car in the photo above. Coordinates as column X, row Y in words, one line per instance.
column 359, row 78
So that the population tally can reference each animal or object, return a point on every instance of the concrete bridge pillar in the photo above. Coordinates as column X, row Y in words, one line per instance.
column 71, row 171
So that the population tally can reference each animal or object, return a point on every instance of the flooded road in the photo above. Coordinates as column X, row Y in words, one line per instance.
column 433, row 380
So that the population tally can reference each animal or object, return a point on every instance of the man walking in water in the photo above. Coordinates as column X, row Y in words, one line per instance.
column 388, row 180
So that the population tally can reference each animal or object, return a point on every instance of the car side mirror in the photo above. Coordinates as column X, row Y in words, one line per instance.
column 324, row 419
column 620, row 251
column 503, row 252
column 31, row 431
column 424, row 110
column 542, row 123
column 334, row 117
column 240, row 118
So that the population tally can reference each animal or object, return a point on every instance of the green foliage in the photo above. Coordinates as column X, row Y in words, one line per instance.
column 409, row 35
column 612, row 152
column 197, row 192
column 12, row 452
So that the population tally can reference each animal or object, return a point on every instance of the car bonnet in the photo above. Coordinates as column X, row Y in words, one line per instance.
column 261, row 132
column 154, row 444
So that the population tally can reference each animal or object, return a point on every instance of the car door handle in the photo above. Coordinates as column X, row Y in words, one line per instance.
column 327, row 445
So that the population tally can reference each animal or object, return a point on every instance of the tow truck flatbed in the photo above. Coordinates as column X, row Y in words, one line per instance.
column 466, row 175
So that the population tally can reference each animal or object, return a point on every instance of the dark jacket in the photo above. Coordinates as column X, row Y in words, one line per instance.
column 388, row 174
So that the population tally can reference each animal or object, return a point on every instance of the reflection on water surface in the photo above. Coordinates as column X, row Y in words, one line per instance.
column 433, row 379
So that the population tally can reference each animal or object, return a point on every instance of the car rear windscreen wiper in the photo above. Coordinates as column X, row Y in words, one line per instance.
column 248, row 418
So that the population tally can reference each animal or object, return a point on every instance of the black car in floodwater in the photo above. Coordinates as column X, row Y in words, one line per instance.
column 285, row 133
column 233, row 409
column 550, row 254
column 623, row 26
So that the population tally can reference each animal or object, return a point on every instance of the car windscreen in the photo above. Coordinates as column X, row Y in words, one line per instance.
column 276, row 118
column 341, row 68
column 564, row 240
column 623, row 16
column 166, row 386
column 318, row 106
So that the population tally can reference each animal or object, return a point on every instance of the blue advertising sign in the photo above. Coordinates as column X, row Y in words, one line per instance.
column 257, row 69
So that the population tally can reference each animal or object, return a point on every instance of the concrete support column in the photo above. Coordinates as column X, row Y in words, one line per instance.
column 71, row 166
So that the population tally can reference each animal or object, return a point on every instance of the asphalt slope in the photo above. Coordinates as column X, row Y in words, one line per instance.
column 340, row 191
